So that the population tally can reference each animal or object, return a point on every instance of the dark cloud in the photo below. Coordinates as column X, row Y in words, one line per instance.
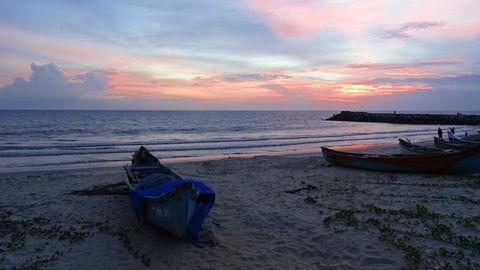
column 455, row 93
column 405, row 30
column 48, row 81
column 449, row 83
column 254, row 77
column 437, row 63
column 281, row 90
column 448, row 93
column 243, row 77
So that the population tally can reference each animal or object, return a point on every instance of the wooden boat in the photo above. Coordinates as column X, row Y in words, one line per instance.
column 441, row 143
column 465, row 161
column 409, row 146
column 453, row 138
column 466, row 136
column 145, row 165
column 165, row 199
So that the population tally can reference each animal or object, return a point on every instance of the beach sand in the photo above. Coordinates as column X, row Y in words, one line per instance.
column 271, row 212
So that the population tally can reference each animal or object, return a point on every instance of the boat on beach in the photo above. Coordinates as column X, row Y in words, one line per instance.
column 164, row 198
column 147, row 169
column 472, row 136
column 466, row 161
column 441, row 143
column 410, row 147
column 455, row 139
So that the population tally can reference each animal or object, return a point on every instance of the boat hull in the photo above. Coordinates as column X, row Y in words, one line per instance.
column 412, row 148
column 440, row 143
column 454, row 139
column 466, row 161
column 464, row 142
column 174, row 213
column 163, row 198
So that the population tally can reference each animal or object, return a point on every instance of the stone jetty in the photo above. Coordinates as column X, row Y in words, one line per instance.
column 408, row 118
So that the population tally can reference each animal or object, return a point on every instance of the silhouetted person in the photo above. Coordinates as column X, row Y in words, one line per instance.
column 452, row 129
column 440, row 133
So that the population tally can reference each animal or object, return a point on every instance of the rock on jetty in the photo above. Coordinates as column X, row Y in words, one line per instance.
column 395, row 118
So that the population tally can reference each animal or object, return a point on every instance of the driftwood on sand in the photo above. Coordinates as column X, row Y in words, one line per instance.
column 109, row 189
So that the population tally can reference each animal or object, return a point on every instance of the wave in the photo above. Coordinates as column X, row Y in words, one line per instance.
column 182, row 146
column 204, row 141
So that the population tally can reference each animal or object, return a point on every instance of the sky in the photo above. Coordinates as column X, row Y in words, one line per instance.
column 240, row 55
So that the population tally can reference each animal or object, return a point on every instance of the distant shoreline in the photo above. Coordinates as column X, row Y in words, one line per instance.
column 415, row 119
column 447, row 112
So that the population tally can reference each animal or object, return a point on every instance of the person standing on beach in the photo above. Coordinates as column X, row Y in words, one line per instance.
column 440, row 133
column 452, row 129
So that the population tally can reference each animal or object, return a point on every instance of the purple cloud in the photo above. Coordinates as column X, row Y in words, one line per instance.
column 48, row 81
column 405, row 30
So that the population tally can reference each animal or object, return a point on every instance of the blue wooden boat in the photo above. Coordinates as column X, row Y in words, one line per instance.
column 164, row 198
column 147, row 169
column 409, row 146
column 466, row 161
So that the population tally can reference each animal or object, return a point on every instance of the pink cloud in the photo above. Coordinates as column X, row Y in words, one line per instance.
column 297, row 18
column 366, row 70
column 380, row 89
column 80, row 54
column 5, row 79
column 410, row 72
column 273, row 87
column 127, row 84
column 461, row 16
column 398, row 70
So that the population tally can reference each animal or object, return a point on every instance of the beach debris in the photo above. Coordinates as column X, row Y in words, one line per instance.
column 346, row 217
column 311, row 200
column 405, row 228
column 308, row 187
column 216, row 223
column 17, row 231
column 109, row 189
column 211, row 239
column 39, row 261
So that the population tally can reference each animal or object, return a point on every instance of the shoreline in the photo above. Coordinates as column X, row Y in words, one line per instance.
column 390, row 147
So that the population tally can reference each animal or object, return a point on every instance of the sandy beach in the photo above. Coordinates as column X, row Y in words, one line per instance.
column 271, row 212
column 239, row 97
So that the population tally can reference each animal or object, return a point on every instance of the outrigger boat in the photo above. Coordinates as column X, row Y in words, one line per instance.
column 466, row 161
column 409, row 146
column 467, row 136
column 453, row 138
column 164, row 198
column 441, row 143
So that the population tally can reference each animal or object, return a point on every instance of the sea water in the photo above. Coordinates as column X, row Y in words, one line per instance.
column 39, row 140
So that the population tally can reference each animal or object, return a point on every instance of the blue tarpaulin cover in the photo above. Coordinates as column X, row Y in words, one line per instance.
column 204, row 203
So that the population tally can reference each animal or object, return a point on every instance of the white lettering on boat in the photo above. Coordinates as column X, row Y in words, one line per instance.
column 162, row 212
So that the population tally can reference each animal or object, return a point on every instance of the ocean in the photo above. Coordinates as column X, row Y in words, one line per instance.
column 49, row 140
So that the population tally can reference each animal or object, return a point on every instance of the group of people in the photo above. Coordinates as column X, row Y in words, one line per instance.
column 440, row 132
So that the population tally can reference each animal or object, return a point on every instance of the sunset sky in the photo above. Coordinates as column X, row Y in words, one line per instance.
column 252, row 55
